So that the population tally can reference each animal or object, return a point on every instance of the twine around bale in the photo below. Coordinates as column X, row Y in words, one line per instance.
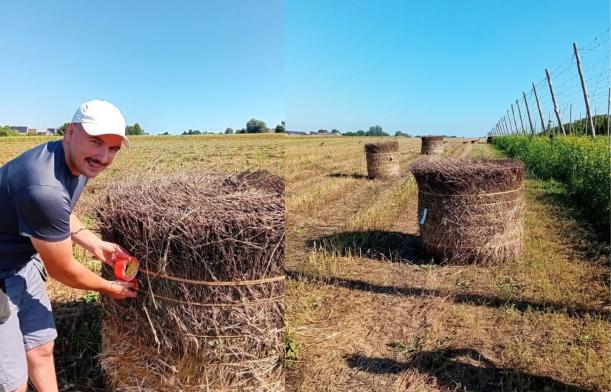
column 220, row 305
column 211, row 247
column 214, row 283
column 470, row 194
column 381, row 161
column 478, row 214
column 432, row 145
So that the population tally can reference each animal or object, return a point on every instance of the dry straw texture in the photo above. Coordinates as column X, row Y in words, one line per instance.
column 382, row 160
column 210, row 313
column 432, row 145
column 474, row 209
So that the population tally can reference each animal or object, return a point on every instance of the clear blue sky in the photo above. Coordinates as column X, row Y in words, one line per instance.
column 169, row 65
column 424, row 66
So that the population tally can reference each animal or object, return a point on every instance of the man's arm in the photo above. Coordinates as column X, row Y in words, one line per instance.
column 81, row 235
column 61, row 265
column 103, row 250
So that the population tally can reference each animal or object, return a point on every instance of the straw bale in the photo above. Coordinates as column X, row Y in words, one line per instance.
column 474, row 209
column 210, row 312
column 432, row 145
column 382, row 160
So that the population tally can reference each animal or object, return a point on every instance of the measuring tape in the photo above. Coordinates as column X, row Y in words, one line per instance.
column 126, row 267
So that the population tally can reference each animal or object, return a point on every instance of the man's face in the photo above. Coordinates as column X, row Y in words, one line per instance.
column 88, row 155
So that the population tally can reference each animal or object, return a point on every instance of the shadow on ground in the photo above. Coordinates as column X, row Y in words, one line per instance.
column 356, row 176
column 455, row 296
column 463, row 369
column 78, row 344
column 374, row 244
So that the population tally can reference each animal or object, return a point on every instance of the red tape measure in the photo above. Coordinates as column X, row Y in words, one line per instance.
column 126, row 268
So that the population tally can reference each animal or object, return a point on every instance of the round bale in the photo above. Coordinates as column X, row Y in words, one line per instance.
column 432, row 145
column 470, row 211
column 210, row 313
column 382, row 160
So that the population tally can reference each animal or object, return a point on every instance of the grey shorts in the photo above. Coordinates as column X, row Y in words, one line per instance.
column 30, row 324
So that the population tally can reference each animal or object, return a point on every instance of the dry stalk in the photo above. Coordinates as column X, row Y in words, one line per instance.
column 382, row 160
column 210, row 312
column 470, row 211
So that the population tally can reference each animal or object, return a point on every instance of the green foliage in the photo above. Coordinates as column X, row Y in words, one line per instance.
column 291, row 351
column 192, row 132
column 135, row 129
column 376, row 130
column 407, row 348
column 280, row 128
column 399, row 133
column 62, row 130
column 228, row 131
column 256, row 126
column 578, row 127
column 580, row 163
column 7, row 131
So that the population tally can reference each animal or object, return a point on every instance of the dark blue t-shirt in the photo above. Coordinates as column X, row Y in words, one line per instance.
column 37, row 195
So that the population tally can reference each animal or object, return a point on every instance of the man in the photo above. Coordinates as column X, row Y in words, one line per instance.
column 38, row 191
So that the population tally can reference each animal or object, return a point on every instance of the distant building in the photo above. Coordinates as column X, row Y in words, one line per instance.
column 32, row 131
column 52, row 131
column 20, row 129
column 296, row 133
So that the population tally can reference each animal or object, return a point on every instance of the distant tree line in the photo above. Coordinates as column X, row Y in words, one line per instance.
column 135, row 129
column 374, row 130
column 6, row 130
column 252, row 126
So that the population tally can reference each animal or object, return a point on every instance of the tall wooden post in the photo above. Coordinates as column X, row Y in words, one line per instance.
column 585, row 91
column 570, row 118
column 508, row 121
column 539, row 108
column 551, row 91
column 520, row 115
column 514, row 118
column 608, row 107
column 507, row 125
column 532, row 130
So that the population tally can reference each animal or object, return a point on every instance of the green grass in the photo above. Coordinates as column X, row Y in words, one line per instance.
column 580, row 164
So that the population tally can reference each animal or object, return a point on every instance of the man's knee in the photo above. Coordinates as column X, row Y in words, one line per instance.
column 40, row 353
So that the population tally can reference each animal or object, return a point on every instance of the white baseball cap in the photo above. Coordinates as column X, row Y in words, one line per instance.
column 101, row 118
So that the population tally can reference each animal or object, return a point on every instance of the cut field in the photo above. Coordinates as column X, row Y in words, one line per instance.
column 77, row 313
column 367, row 311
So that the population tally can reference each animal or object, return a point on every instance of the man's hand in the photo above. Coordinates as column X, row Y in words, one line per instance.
column 121, row 290
column 61, row 265
column 107, row 251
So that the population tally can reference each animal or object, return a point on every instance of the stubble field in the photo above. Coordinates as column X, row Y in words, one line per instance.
column 369, row 312
column 366, row 310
